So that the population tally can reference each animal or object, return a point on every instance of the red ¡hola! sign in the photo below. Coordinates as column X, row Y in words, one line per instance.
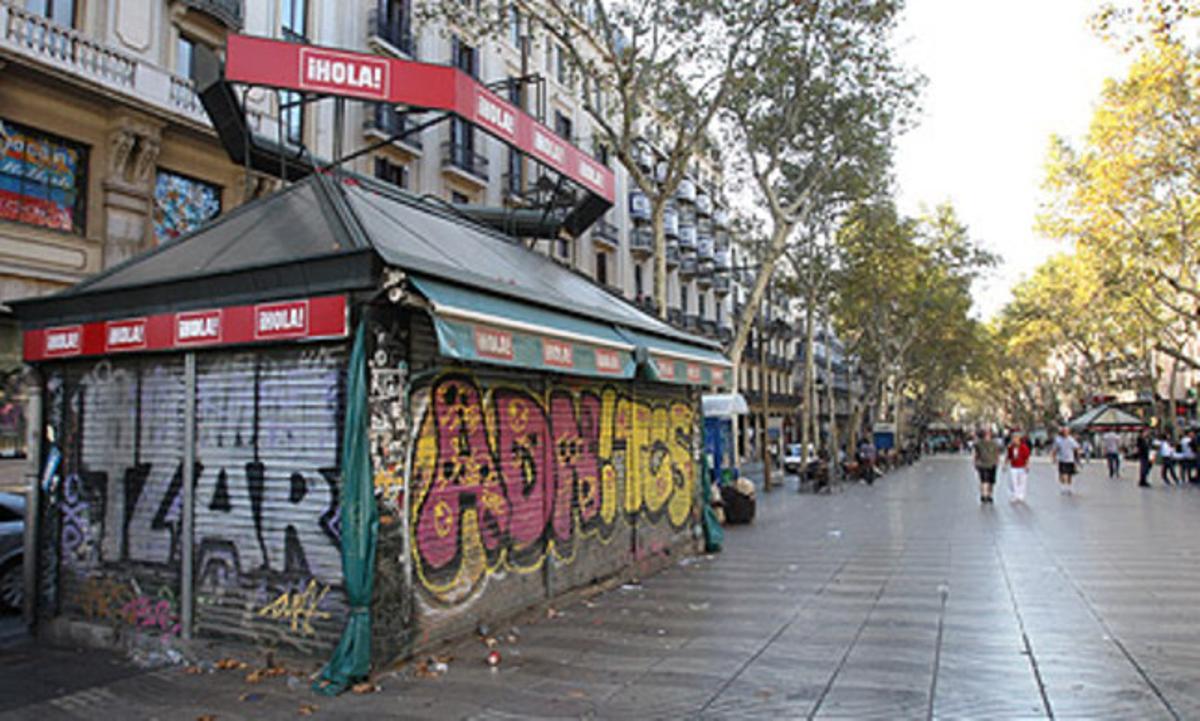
column 307, row 318
column 274, row 63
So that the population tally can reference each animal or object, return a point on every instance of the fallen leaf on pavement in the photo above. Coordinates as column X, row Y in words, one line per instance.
column 206, row 717
column 365, row 687
column 577, row 694
column 230, row 664
column 307, row 709
column 193, row 670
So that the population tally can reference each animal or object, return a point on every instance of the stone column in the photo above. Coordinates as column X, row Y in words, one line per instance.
column 133, row 145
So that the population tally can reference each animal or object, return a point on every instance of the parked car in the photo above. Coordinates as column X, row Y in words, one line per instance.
column 794, row 460
column 12, row 551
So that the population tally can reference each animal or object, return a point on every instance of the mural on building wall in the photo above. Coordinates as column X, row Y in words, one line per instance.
column 43, row 178
column 267, row 553
column 506, row 476
column 182, row 204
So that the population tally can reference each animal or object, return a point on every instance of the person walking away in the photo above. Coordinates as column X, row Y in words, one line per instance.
column 1066, row 454
column 1166, row 456
column 1018, row 466
column 1185, row 456
column 1145, row 463
column 987, row 455
column 866, row 461
column 1112, row 453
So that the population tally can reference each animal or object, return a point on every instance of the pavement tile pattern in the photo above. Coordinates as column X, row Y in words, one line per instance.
column 904, row 600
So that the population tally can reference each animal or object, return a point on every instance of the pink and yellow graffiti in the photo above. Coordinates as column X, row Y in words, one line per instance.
column 503, row 477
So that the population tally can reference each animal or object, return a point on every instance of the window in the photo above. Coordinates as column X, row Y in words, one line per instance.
column 390, row 172
column 291, row 110
column 8, row 515
column 563, row 250
column 43, row 179
column 601, row 153
column 562, row 125
column 638, row 286
column 395, row 24
column 293, row 20
column 683, row 300
column 701, row 302
column 464, row 57
column 59, row 12
column 602, row 268
column 514, row 26
column 458, row 198
column 560, row 66
column 516, row 168
column 720, row 308
column 182, row 204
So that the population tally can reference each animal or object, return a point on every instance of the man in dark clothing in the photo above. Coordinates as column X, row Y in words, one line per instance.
column 1144, row 445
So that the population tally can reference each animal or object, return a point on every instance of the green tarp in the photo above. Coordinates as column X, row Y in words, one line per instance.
column 360, row 529
column 481, row 328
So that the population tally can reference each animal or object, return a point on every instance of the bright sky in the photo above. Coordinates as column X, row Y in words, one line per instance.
column 1003, row 77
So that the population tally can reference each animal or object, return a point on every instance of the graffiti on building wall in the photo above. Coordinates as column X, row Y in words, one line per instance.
column 266, row 491
column 505, row 476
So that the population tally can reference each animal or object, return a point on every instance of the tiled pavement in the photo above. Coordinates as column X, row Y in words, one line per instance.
column 902, row 600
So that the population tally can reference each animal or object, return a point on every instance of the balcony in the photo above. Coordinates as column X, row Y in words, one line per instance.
column 686, row 192
column 704, row 249
column 708, row 328
column 687, row 237
column 73, row 54
column 672, row 255
column 605, row 233
column 641, row 242
column 227, row 12
column 721, row 239
column 463, row 161
column 688, row 267
column 390, row 35
column 725, row 335
column 691, row 323
column 385, row 121
column 721, row 218
column 704, row 205
column 704, row 275
column 721, row 284
column 639, row 207
column 671, row 222
column 647, row 304
column 675, row 317
column 643, row 156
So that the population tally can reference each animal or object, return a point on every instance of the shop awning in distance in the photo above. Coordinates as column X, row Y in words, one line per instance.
column 327, row 240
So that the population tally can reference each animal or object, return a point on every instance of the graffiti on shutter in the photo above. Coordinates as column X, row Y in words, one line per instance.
column 268, row 555
column 508, row 474
column 119, row 425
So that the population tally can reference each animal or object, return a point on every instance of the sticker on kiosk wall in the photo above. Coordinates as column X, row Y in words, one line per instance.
column 608, row 361
column 557, row 353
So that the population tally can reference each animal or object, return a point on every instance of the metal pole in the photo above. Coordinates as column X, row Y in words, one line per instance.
column 33, row 492
column 187, row 572
column 339, row 123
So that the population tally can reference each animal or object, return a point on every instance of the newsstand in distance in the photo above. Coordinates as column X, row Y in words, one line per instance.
column 529, row 432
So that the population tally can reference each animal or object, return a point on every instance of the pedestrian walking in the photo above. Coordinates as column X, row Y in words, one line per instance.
column 1186, row 459
column 1066, row 454
column 1018, row 466
column 987, row 455
column 1145, row 447
column 1112, row 453
column 1166, row 458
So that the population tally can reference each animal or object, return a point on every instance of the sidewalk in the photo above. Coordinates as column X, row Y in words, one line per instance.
column 906, row 599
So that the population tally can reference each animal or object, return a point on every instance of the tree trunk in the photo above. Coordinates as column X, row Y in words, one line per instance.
column 764, row 447
column 831, row 397
column 657, row 210
column 808, row 431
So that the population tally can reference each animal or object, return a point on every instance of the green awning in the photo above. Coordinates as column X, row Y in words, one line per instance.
column 484, row 328
column 669, row 361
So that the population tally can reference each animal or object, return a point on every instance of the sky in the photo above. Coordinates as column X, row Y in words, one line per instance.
column 1002, row 78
